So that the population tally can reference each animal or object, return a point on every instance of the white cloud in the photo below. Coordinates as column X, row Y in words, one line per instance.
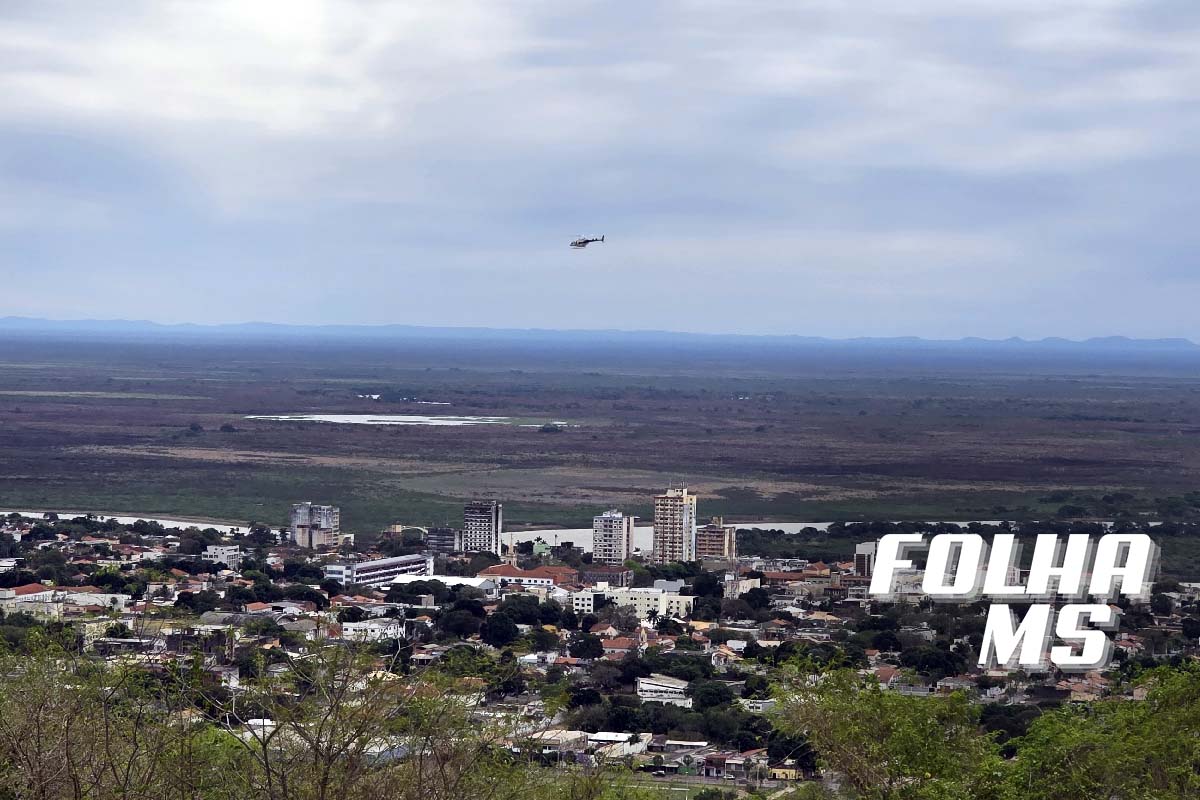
column 864, row 153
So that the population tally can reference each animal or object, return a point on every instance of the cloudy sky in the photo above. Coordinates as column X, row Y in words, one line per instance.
column 933, row 167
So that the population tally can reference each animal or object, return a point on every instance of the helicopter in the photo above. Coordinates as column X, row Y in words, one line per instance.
column 582, row 242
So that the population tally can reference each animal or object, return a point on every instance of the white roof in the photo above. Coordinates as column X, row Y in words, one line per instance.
column 448, row 580
column 665, row 680
column 610, row 736
column 559, row 735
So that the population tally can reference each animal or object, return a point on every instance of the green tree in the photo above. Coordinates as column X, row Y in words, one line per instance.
column 351, row 614
column 586, row 645
column 118, row 630
column 708, row 584
column 709, row 694
column 886, row 641
column 757, row 598
column 1116, row 748
column 462, row 624
column 1161, row 604
column 197, row 602
column 499, row 629
column 521, row 608
column 890, row 746
column 541, row 639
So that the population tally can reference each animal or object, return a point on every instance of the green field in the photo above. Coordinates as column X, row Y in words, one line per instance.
column 163, row 429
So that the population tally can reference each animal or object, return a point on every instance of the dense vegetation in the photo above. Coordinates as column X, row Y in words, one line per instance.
column 346, row 722
column 336, row 724
column 888, row 746
column 160, row 428
column 1179, row 540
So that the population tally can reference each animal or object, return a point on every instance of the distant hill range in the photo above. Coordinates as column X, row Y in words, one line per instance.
column 138, row 329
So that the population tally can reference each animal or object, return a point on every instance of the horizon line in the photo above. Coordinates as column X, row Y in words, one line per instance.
column 15, row 323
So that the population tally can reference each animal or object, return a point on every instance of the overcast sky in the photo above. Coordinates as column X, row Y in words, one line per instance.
column 931, row 167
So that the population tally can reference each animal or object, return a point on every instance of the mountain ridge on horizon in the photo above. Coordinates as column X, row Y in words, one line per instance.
column 36, row 325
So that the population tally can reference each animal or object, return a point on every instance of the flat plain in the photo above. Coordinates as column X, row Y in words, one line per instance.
column 763, row 431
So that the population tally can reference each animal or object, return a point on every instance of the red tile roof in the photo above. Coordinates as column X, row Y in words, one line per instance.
column 784, row 576
column 620, row 643
column 552, row 574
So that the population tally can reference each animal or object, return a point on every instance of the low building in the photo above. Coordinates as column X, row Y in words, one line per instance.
column 611, row 745
column 553, row 743
column 733, row 586
column 380, row 571
column 620, row 646
column 616, row 576
column 757, row 706
column 658, row 688
column 373, row 630
column 647, row 603
column 587, row 601
column 506, row 574
column 228, row 554
column 770, row 579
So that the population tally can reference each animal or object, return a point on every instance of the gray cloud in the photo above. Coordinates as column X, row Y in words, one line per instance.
column 976, row 167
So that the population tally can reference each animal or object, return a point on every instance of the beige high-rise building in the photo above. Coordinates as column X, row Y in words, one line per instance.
column 612, row 537
column 315, row 526
column 716, row 541
column 675, row 526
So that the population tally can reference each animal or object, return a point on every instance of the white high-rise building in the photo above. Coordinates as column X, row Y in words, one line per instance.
column 675, row 526
column 483, row 521
column 316, row 526
column 612, row 537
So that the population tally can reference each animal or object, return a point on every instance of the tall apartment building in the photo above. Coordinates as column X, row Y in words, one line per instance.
column 612, row 537
column 483, row 521
column 443, row 540
column 864, row 559
column 315, row 526
column 675, row 526
column 716, row 541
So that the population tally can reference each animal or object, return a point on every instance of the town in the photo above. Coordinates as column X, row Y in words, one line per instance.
column 599, row 401
column 669, row 661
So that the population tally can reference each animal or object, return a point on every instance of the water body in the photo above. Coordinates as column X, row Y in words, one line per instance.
column 387, row 419
column 643, row 535
column 223, row 527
